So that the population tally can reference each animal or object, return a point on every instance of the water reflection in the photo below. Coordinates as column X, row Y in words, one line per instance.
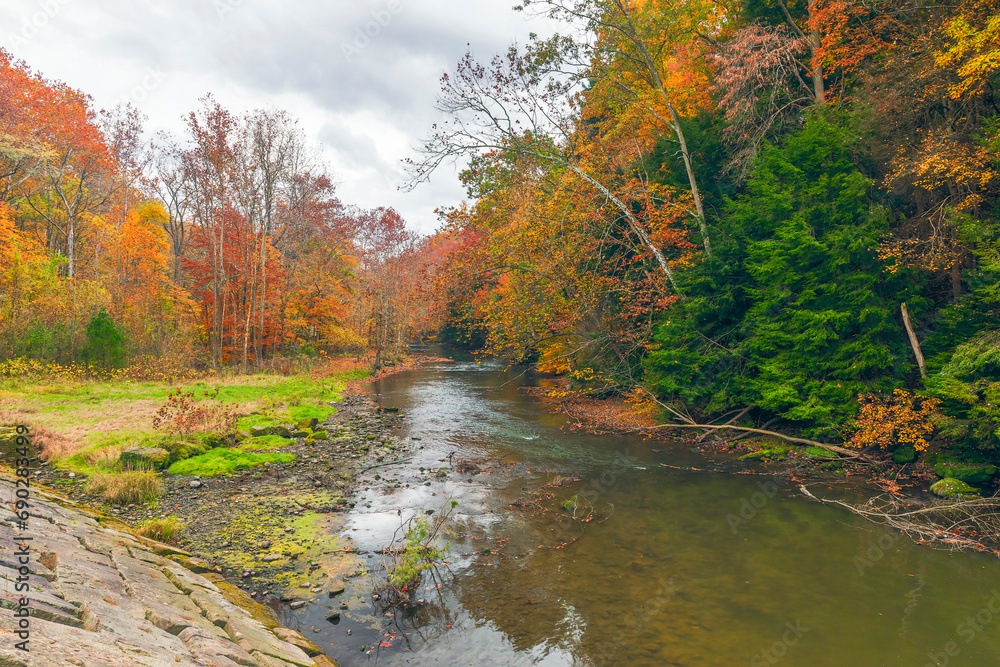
column 663, row 576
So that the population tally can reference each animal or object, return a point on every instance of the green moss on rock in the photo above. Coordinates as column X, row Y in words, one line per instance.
column 966, row 472
column 953, row 488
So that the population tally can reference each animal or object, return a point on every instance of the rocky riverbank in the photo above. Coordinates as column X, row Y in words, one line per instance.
column 263, row 537
column 101, row 597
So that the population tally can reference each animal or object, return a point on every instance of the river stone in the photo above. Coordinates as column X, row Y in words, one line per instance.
column 953, row 488
column 145, row 457
column 966, row 472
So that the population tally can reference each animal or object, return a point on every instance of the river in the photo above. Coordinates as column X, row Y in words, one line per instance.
column 675, row 567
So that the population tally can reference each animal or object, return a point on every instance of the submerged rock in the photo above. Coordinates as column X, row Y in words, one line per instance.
column 953, row 488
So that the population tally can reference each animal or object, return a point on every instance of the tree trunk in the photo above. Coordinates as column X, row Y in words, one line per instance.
column 914, row 343
column 695, row 192
column 815, row 44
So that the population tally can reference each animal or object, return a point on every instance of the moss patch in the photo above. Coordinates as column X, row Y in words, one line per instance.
column 262, row 613
column 953, row 488
column 222, row 461
column 265, row 442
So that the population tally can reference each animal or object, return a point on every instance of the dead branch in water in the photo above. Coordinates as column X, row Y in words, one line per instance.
column 690, row 423
column 952, row 524
column 846, row 453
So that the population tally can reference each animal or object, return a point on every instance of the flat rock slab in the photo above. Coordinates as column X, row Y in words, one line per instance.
column 100, row 598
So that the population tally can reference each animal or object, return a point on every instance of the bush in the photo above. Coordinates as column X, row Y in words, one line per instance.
column 126, row 488
column 902, row 419
column 161, row 530
column 105, row 342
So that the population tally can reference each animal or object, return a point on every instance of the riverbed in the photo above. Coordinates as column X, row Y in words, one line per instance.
column 576, row 549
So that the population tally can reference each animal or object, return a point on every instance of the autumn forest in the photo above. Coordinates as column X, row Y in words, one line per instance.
column 786, row 213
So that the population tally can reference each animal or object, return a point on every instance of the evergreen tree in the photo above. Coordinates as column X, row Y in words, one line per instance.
column 105, row 341
column 804, row 318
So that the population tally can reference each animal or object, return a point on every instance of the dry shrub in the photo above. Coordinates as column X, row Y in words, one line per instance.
column 46, row 443
column 337, row 366
column 50, row 445
column 182, row 415
column 162, row 530
column 105, row 457
column 126, row 488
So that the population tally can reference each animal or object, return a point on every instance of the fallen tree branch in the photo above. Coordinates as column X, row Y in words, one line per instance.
column 846, row 453
column 947, row 523
column 736, row 418
column 690, row 423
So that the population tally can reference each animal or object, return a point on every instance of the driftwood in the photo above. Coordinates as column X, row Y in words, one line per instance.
column 690, row 423
column 846, row 453
column 952, row 524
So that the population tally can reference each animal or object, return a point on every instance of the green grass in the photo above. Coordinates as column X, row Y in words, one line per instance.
column 102, row 417
column 221, row 461
column 161, row 530
column 265, row 442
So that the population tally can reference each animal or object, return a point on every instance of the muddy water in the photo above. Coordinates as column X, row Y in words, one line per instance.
column 676, row 567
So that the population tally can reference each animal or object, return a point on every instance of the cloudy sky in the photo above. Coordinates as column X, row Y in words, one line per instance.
column 367, row 98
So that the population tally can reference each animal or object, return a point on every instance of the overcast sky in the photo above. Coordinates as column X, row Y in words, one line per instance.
column 367, row 99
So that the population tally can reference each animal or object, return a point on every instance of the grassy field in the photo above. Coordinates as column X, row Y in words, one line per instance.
column 83, row 426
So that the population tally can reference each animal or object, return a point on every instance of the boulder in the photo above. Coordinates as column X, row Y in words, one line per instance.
column 969, row 473
column 145, row 457
column 310, row 423
column 953, row 488
column 278, row 430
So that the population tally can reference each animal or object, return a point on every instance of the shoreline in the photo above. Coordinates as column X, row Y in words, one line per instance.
column 901, row 484
column 271, row 533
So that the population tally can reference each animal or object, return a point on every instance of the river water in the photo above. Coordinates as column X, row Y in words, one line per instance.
column 676, row 567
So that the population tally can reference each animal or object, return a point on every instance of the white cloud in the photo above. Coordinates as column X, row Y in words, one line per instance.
column 368, row 110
